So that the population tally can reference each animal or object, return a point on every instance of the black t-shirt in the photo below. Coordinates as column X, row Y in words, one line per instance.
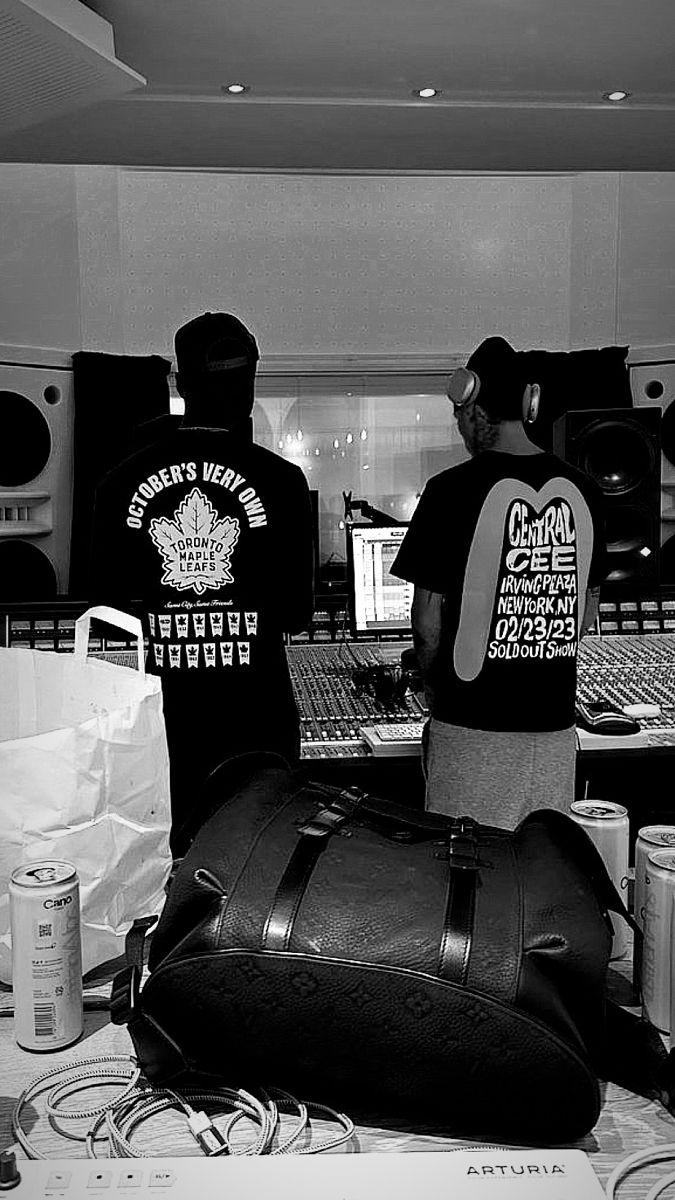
column 213, row 535
column 511, row 542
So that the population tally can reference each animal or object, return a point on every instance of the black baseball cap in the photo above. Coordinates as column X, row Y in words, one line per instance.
column 499, row 368
column 214, row 342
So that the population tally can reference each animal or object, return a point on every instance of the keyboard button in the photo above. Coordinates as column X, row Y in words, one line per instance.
column 162, row 1179
column 130, row 1179
column 99, row 1179
column 59, row 1179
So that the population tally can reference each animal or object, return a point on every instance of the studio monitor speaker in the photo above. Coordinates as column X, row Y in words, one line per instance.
column 36, row 478
column 653, row 384
column 621, row 450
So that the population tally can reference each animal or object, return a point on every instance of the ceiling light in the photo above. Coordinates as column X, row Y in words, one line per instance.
column 426, row 93
column 235, row 89
column 615, row 97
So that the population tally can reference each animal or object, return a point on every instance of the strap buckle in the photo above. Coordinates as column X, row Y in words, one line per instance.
column 329, row 819
column 461, row 850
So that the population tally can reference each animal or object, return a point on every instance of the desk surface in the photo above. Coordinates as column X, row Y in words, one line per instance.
column 627, row 1122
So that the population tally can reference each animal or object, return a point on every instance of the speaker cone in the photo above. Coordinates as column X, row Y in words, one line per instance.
column 25, row 440
column 25, row 572
column 617, row 455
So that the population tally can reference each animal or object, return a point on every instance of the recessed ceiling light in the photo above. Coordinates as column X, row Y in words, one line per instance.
column 426, row 93
column 615, row 97
column 235, row 89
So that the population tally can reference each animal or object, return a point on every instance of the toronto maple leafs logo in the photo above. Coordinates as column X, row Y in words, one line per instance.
column 196, row 546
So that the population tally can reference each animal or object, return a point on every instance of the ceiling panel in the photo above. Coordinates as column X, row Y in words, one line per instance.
column 520, row 81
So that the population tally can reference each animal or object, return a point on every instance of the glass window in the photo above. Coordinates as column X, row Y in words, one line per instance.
column 378, row 437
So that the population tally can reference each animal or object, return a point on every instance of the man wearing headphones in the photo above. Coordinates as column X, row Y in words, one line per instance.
column 506, row 554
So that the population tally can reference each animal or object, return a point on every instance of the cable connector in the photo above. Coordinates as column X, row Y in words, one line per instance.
column 207, row 1134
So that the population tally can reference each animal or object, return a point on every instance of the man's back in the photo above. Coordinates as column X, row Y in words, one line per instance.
column 212, row 535
column 516, row 551
column 206, row 521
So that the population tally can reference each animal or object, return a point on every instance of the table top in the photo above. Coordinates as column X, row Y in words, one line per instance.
column 627, row 1122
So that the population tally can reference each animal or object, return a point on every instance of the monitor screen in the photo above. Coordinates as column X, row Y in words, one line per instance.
column 379, row 603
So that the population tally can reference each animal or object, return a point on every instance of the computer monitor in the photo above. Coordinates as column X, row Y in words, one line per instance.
column 378, row 602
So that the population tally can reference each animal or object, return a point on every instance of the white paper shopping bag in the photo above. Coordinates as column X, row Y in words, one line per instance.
column 84, row 777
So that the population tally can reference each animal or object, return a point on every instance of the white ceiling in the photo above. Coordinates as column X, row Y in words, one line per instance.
column 331, row 80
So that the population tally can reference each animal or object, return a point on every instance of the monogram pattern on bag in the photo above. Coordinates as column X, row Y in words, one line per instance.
column 249, row 970
column 474, row 1011
column 419, row 1004
column 304, row 983
column 360, row 996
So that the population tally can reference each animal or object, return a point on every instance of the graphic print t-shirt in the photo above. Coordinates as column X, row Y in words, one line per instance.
column 511, row 542
column 212, row 534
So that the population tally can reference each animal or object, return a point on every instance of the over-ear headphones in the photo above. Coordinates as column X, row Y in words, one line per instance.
column 463, row 385
column 531, row 398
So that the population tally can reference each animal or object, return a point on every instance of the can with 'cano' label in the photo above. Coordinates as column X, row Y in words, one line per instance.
column 649, row 838
column 44, row 902
column 606, row 824
column 658, row 937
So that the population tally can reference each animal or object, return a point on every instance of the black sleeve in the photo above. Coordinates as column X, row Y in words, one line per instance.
column 420, row 558
column 295, row 544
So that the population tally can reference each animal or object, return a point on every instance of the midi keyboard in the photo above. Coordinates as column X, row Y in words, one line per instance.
column 463, row 1174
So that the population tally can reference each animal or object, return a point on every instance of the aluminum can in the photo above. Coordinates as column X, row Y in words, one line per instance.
column 607, row 826
column 44, row 902
column 656, row 950
column 650, row 837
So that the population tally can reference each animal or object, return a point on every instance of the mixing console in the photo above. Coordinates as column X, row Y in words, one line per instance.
column 632, row 662
column 624, row 670
column 633, row 670
column 334, row 711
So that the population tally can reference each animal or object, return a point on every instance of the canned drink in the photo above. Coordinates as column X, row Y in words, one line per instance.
column 44, row 902
column 607, row 826
column 656, row 949
column 650, row 837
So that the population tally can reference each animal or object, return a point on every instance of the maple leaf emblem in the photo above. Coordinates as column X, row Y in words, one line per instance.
column 196, row 545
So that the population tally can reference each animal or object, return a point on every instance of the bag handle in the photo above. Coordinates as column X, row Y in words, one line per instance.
column 112, row 616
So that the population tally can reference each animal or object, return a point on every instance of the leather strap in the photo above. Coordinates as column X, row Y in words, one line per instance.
column 314, row 837
column 126, row 984
column 461, row 854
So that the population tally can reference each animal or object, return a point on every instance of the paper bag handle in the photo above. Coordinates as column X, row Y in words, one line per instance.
column 112, row 616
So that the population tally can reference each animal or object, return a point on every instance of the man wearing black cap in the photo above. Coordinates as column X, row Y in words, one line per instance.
column 212, row 534
column 506, row 555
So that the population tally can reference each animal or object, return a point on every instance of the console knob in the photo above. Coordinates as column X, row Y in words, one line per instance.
column 9, row 1172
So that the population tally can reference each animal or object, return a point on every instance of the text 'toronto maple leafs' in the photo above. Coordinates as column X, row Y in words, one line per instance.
column 196, row 546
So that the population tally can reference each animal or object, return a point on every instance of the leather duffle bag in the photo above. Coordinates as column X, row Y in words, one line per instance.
column 406, row 966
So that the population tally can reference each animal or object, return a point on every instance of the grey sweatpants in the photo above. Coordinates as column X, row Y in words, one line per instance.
column 497, row 777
